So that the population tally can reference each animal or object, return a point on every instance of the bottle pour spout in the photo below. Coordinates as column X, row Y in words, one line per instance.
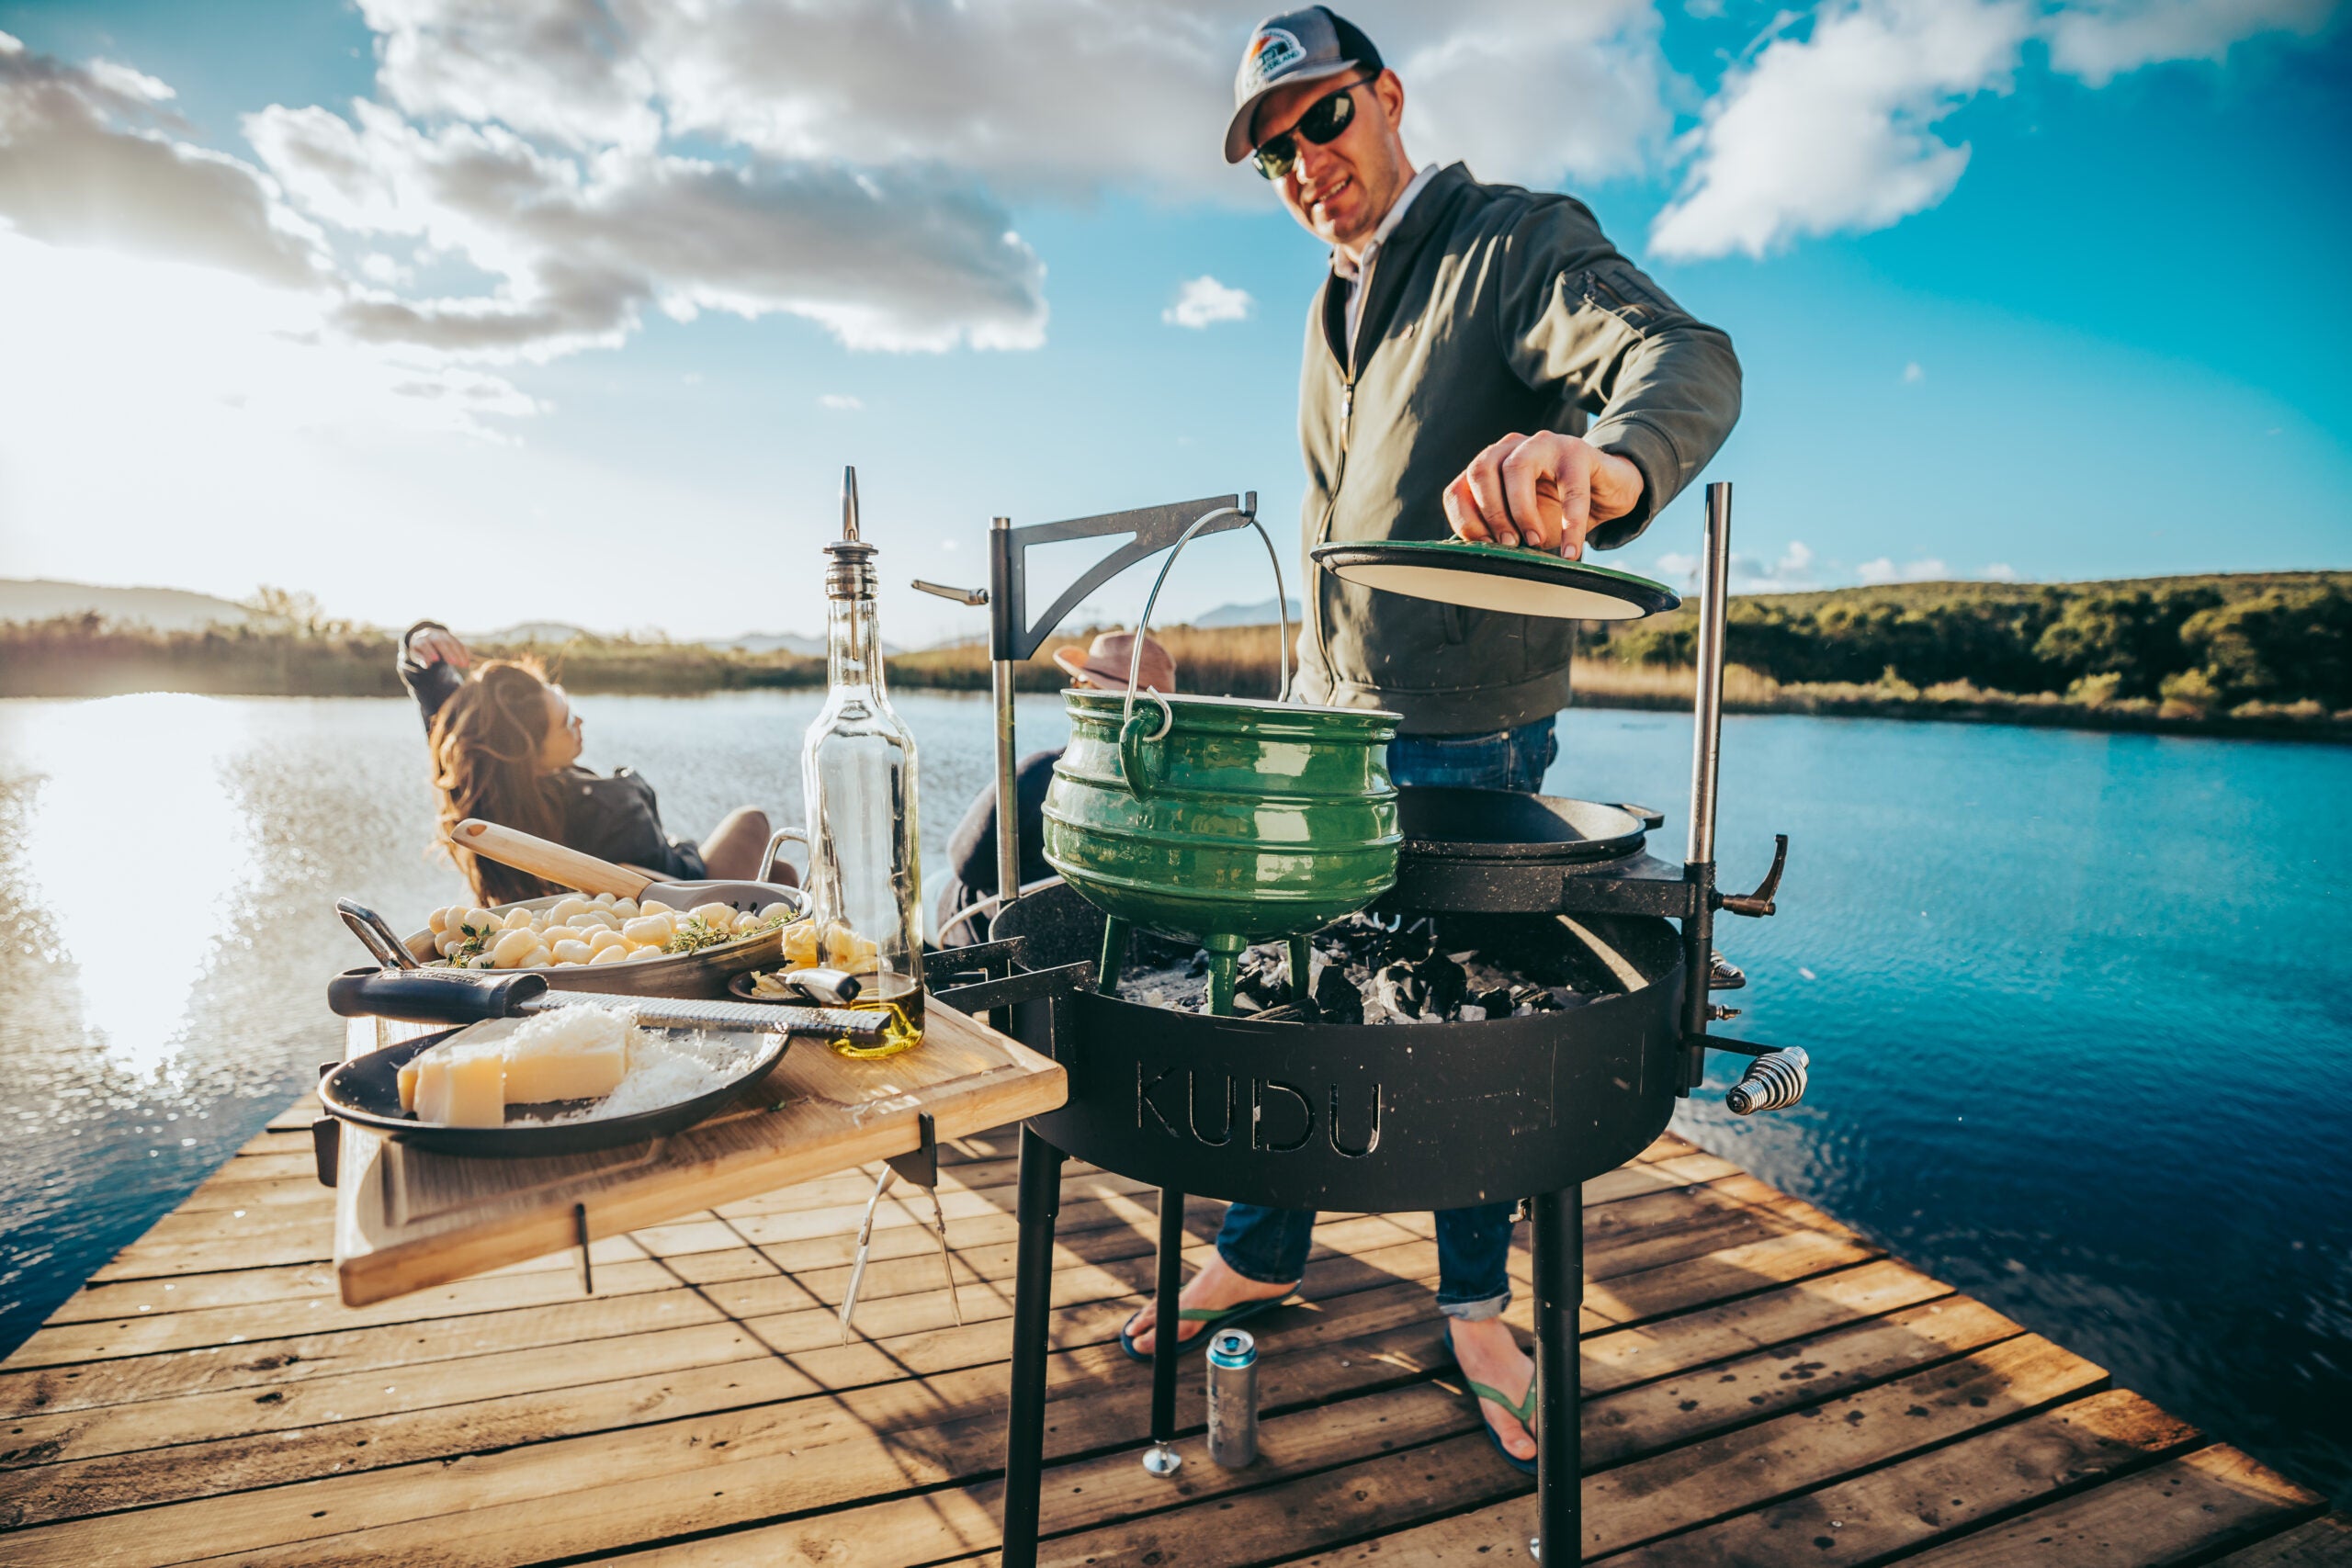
column 849, row 502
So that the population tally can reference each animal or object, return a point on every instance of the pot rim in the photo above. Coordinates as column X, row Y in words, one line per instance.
column 1082, row 697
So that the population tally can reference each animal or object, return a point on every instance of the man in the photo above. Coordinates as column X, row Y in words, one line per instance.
column 1464, row 337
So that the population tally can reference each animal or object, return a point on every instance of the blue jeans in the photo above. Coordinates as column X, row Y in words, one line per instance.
column 1270, row 1245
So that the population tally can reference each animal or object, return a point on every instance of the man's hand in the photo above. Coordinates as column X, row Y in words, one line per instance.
column 1546, row 492
column 433, row 645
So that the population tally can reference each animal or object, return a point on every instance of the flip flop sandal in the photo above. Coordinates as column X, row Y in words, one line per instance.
column 1211, row 1318
column 1523, row 1409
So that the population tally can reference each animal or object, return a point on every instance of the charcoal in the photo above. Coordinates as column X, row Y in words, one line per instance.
column 1199, row 965
column 1291, row 1012
column 1496, row 1001
column 1401, row 989
column 1337, row 996
column 1530, row 995
column 1444, row 982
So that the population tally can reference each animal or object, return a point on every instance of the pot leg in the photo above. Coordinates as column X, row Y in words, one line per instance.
column 1302, row 964
column 1224, row 953
column 1114, row 953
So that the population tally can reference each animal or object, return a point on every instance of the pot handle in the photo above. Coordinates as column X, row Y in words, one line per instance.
column 1135, row 762
column 1129, row 753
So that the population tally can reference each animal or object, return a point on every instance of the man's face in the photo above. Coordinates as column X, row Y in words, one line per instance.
column 1341, row 190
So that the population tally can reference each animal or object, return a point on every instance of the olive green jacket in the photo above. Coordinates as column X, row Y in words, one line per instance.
column 1489, row 309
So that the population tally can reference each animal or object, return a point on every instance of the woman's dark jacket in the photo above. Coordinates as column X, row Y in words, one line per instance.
column 612, row 819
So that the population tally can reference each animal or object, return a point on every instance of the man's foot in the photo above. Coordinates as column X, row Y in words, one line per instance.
column 1488, row 1354
column 1214, row 1286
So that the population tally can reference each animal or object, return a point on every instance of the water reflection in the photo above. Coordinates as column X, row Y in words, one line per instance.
column 136, row 854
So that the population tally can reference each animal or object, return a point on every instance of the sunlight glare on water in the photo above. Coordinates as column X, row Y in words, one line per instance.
column 137, row 857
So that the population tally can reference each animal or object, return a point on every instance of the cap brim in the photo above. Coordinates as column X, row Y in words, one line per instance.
column 1238, row 144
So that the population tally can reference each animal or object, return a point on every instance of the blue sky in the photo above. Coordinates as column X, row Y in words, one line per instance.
column 2111, row 346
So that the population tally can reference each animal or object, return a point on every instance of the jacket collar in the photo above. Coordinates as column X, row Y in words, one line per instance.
column 1396, row 252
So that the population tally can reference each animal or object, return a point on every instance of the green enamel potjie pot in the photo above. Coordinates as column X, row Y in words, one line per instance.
column 1223, row 821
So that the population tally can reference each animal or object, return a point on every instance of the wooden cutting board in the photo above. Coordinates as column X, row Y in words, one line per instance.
column 406, row 1220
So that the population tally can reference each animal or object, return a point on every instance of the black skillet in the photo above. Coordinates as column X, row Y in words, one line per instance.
column 365, row 1092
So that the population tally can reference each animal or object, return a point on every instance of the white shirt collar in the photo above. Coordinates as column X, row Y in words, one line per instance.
column 1349, row 270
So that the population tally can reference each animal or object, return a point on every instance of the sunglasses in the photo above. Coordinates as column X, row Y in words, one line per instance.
column 1325, row 118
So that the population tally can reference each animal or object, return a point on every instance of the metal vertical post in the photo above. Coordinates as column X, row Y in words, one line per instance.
column 1003, row 607
column 1558, row 1238
column 1706, row 756
column 1161, row 1458
column 1039, row 1202
column 1706, row 746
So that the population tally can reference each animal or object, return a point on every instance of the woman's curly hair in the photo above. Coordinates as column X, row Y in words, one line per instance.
column 486, row 743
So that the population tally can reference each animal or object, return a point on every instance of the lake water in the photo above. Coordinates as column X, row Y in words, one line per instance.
column 2076, row 1003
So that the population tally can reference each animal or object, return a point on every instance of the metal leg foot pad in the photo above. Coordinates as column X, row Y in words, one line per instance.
column 1162, row 1461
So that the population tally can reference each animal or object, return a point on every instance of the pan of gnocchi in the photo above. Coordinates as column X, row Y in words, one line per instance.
column 604, row 943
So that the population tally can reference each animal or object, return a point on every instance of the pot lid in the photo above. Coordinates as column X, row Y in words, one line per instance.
column 1496, row 577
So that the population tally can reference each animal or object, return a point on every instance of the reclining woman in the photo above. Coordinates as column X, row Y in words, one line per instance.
column 505, row 744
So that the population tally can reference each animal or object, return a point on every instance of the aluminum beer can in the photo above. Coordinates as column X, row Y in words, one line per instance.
column 1233, row 1398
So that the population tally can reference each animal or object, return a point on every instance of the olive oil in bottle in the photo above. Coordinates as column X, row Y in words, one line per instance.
column 857, row 772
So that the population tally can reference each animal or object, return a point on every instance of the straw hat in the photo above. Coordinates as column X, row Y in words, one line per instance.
column 1104, row 665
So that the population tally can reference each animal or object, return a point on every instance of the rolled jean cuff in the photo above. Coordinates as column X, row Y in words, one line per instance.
column 1475, row 1312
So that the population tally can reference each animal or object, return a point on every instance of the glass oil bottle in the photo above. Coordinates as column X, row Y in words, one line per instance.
column 857, row 774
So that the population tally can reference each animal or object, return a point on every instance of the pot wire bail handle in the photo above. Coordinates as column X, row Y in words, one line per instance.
column 1131, row 744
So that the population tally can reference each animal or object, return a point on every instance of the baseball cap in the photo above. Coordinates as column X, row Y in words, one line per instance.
column 1295, row 46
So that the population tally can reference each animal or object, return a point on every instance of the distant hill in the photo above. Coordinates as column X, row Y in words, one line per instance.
column 1261, row 614
column 774, row 642
column 164, row 609
column 532, row 631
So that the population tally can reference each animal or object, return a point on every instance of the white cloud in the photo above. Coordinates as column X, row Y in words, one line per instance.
column 2000, row 571
column 2101, row 39
column 84, row 162
column 845, row 403
column 1913, row 375
column 894, row 259
column 1833, row 130
column 1793, row 572
column 1204, row 300
column 1882, row 571
column 1036, row 97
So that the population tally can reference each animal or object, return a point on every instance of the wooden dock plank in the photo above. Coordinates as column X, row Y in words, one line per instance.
column 1762, row 1387
column 2181, row 1511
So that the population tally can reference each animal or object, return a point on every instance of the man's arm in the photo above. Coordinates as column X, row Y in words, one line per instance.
column 1573, row 315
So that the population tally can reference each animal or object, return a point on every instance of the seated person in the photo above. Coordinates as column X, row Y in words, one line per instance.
column 971, row 851
column 505, row 746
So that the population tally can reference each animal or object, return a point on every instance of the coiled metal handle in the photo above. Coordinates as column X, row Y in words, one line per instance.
column 1772, row 1082
column 1132, row 761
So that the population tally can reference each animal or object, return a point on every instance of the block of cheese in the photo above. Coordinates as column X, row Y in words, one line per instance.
column 574, row 1053
column 461, row 1085
column 474, row 1034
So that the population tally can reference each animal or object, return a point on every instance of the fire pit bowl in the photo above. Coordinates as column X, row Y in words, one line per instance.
column 1222, row 821
column 1372, row 1117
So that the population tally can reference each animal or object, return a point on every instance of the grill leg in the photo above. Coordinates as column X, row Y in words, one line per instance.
column 1559, row 1298
column 1162, row 1458
column 1302, row 961
column 1024, row 1441
column 1224, row 953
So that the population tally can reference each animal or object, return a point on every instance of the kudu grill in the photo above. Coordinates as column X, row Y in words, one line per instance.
column 1339, row 1116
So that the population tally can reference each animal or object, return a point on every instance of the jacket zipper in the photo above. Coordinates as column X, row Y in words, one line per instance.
column 1339, row 474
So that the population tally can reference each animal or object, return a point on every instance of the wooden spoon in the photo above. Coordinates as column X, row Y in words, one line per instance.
column 568, row 867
